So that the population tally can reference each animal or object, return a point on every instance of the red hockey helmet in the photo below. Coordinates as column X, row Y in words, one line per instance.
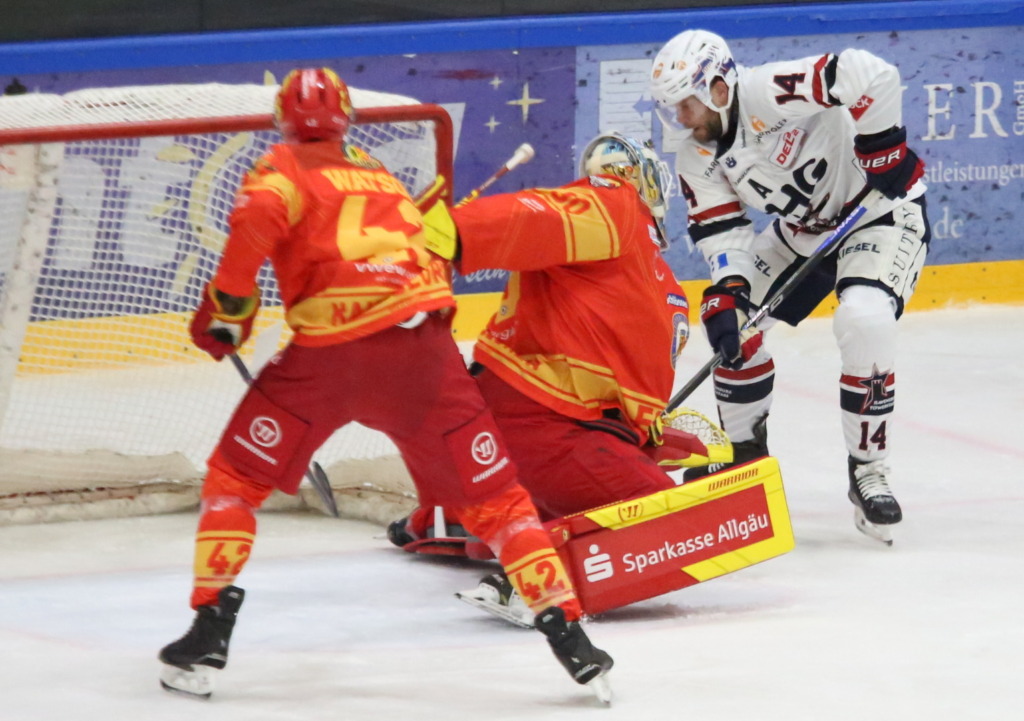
column 313, row 104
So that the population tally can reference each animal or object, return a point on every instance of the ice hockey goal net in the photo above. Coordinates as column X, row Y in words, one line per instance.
column 113, row 212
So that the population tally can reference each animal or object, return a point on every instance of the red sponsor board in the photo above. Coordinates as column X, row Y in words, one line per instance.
column 613, row 567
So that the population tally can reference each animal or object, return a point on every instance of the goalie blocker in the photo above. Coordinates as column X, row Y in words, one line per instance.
column 634, row 550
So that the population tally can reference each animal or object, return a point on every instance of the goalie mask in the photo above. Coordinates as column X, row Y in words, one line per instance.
column 687, row 65
column 615, row 154
column 313, row 104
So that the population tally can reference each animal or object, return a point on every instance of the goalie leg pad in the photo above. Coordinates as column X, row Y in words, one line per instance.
column 648, row 546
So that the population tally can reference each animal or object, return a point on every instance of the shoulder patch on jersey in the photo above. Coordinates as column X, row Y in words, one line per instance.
column 861, row 106
column 764, row 133
column 787, row 147
column 358, row 156
column 679, row 301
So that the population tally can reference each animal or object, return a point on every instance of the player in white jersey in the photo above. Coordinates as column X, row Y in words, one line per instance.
column 803, row 141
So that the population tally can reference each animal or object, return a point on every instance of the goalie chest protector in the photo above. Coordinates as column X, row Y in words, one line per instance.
column 637, row 549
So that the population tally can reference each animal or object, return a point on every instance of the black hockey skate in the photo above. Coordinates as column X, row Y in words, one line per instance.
column 875, row 508
column 742, row 452
column 398, row 532
column 586, row 663
column 190, row 662
column 438, row 537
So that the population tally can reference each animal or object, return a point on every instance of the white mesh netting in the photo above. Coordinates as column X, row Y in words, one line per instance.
column 105, row 244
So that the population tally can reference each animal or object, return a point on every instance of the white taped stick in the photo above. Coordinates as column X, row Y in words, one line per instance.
column 523, row 154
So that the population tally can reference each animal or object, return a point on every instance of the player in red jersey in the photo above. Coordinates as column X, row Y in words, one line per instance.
column 372, row 344
column 578, row 362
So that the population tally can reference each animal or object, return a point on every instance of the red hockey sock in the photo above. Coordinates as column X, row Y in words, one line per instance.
column 537, row 573
column 508, row 523
column 224, row 538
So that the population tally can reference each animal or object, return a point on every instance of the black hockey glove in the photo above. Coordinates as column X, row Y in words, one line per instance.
column 723, row 313
column 890, row 166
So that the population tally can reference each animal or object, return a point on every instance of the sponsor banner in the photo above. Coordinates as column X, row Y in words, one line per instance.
column 964, row 112
column 645, row 547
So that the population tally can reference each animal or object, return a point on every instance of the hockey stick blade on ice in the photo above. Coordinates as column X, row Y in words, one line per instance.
column 523, row 154
column 812, row 262
column 315, row 473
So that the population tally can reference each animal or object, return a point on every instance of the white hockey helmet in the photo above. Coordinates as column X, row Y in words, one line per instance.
column 635, row 161
column 686, row 65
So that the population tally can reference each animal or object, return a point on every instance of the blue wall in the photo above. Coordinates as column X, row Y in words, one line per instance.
column 555, row 81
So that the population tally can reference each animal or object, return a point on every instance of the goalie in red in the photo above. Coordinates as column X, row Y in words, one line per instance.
column 578, row 363
column 368, row 305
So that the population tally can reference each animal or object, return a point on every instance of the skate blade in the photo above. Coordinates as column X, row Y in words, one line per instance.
column 601, row 688
column 523, row 619
column 871, row 530
column 197, row 683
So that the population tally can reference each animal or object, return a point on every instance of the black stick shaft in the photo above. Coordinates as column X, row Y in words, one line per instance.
column 812, row 262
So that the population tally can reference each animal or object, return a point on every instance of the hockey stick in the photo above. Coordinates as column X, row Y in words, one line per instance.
column 865, row 200
column 315, row 473
column 524, row 154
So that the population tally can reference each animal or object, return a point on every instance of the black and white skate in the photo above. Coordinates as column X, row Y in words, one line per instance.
column 440, row 538
column 587, row 664
column 495, row 595
column 398, row 532
column 191, row 662
column 742, row 452
column 875, row 507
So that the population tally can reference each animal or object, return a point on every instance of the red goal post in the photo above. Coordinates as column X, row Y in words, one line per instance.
column 113, row 212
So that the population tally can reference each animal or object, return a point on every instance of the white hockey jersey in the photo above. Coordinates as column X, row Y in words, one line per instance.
column 791, row 156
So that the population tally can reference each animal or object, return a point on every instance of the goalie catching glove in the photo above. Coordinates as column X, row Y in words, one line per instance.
column 685, row 438
column 722, row 313
column 222, row 322
column 439, row 232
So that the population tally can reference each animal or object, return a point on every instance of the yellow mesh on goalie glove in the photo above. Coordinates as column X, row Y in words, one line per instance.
column 654, row 432
column 688, row 438
column 440, row 235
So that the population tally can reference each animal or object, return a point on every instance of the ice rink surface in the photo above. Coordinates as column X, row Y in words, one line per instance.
column 339, row 625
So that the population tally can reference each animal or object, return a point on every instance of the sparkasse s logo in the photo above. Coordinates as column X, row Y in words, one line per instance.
column 598, row 566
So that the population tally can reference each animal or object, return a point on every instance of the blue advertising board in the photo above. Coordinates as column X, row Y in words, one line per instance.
column 556, row 81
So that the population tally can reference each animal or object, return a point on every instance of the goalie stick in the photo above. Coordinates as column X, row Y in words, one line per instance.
column 315, row 473
column 865, row 200
column 523, row 154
